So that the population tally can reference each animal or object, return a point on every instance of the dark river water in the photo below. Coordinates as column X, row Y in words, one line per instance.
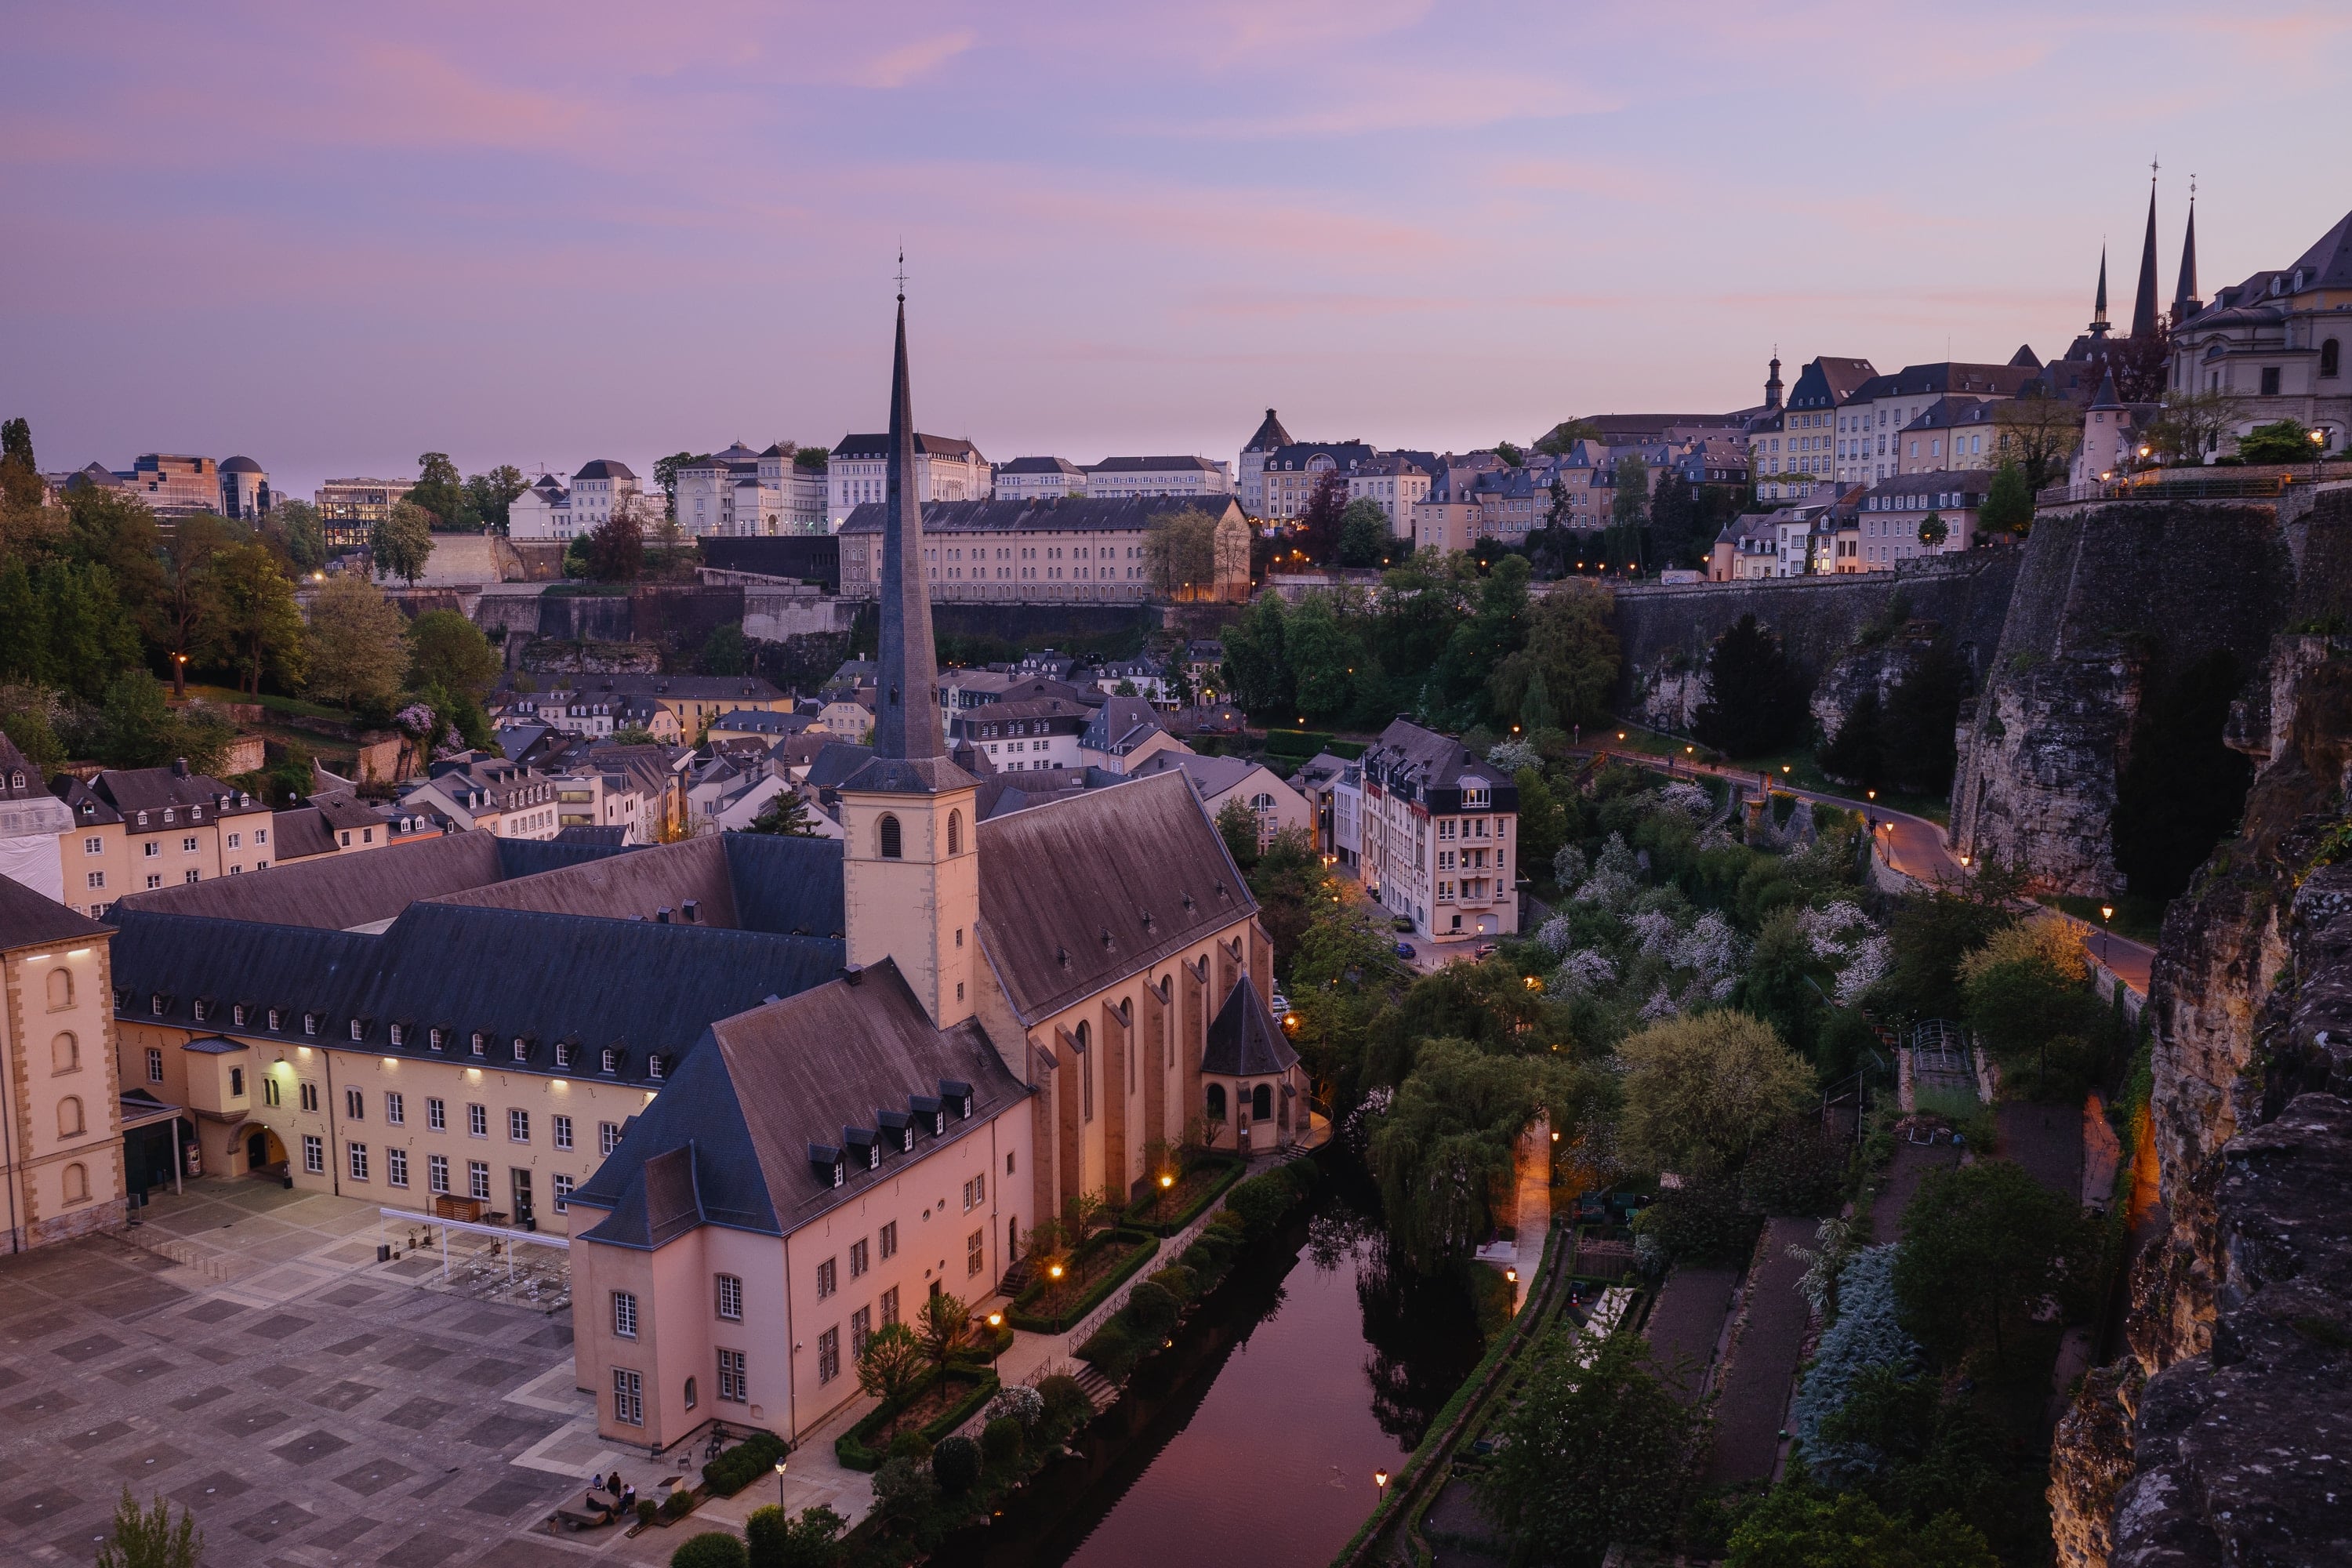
column 1253, row 1441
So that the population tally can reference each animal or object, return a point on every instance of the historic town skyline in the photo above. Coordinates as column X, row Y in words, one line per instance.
column 335, row 243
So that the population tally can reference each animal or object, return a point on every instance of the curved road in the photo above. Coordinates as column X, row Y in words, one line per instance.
column 1915, row 848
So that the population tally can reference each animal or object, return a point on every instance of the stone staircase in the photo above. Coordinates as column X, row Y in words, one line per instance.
column 1100, row 1389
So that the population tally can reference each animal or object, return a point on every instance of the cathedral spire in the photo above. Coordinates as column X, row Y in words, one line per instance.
column 2185, row 302
column 2144, row 305
column 906, row 700
column 2098, row 327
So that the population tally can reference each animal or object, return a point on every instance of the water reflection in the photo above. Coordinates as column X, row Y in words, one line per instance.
column 1255, row 1439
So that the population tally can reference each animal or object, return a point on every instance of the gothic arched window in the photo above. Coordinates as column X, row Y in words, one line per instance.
column 955, row 832
column 887, row 831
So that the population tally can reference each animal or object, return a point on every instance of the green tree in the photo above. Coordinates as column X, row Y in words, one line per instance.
column 944, row 1326
column 786, row 815
column 2194, row 423
column 1319, row 522
column 1496, row 628
column 892, row 1364
column 2009, row 501
column 448, row 651
column 2039, row 435
column 1702, row 1091
column 1364, row 539
column 30, row 716
column 1934, row 530
column 811, row 1540
column 292, row 527
column 2281, row 441
column 20, row 476
column 1798, row 1528
column 1782, row 981
column 401, row 541
column 665, row 476
column 136, row 727
column 1629, row 511
column 1856, row 754
column 356, row 642
column 1556, row 442
column 1596, row 1451
column 1674, row 522
column 1543, row 823
column 488, row 496
column 710, row 1549
column 253, row 614
column 188, row 560
column 616, row 548
column 61, row 625
column 1257, row 664
column 151, row 1539
column 106, row 528
column 439, row 491
column 1570, row 658
column 1755, row 697
column 1922, row 719
column 1323, row 656
column 725, row 651
column 1986, row 1251
column 1446, row 1144
column 1512, row 456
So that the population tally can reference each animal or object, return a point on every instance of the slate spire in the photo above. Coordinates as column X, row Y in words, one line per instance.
column 2144, row 305
column 906, row 710
column 2098, row 327
column 2185, row 302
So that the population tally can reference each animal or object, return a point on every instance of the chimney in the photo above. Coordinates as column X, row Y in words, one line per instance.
column 853, row 974
column 179, row 768
column 661, row 915
column 692, row 912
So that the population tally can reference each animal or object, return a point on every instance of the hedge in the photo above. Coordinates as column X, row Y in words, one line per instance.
column 741, row 1464
column 1139, row 1214
column 1144, row 1244
column 851, row 1447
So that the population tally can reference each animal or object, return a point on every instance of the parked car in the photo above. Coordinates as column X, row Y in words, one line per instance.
column 1404, row 950
column 1281, row 1003
column 1486, row 950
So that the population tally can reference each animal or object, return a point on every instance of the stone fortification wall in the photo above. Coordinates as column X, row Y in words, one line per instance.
column 2113, row 600
column 1664, row 631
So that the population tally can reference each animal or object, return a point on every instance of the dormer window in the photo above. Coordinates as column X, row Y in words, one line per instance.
column 521, row 1049
column 167, row 816
column 397, row 1035
column 142, row 819
column 874, row 1155
column 840, row 1172
column 309, row 1023
column 654, row 1064
column 480, row 1043
column 236, row 1013
column 434, row 1039
column 563, row 1053
column 155, row 1005
column 200, row 1008
column 610, row 1060
column 359, row 1029
column 277, row 1019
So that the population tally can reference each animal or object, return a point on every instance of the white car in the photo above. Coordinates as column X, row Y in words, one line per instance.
column 1281, row 1005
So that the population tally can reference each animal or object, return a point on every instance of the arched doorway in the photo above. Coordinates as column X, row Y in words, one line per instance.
column 264, row 1154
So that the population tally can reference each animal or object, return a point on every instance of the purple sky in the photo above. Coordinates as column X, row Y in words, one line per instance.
column 332, row 237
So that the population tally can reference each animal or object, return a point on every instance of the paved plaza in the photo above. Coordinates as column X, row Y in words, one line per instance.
column 244, row 1353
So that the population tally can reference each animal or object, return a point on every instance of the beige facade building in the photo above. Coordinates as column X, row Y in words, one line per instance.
column 136, row 829
column 1039, row 478
column 62, row 1163
column 1121, row 478
column 946, row 469
column 2277, row 341
column 1439, row 841
column 1029, row 552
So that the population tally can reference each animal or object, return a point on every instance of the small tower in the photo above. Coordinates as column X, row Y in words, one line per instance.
column 1772, row 384
column 2098, row 327
column 910, row 865
column 2144, row 302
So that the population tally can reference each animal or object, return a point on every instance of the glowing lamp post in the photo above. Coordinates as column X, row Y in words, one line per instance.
column 780, row 1483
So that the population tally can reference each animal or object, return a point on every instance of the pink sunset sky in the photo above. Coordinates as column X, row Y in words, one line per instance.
column 332, row 237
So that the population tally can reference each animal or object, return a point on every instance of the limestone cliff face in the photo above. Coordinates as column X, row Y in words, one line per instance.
column 1877, row 666
column 2220, row 1438
column 2111, row 597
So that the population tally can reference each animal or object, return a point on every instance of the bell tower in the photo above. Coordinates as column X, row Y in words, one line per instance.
column 911, row 864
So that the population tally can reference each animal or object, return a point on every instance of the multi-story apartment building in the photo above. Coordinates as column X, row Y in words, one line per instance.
column 1951, row 432
column 1291, row 474
column 549, row 509
column 1794, row 446
column 1024, row 735
column 2276, row 341
column 946, row 469
column 60, row 1098
column 1395, row 482
column 1439, row 841
column 1121, row 478
column 1014, row 551
column 1269, row 437
column 175, row 484
column 348, row 508
column 596, row 705
column 488, row 794
column 1893, row 512
column 1039, row 478
column 1872, row 421
column 136, row 830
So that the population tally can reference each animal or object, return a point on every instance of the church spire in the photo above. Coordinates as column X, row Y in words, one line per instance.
column 2144, row 305
column 906, row 701
column 2185, row 302
column 2098, row 328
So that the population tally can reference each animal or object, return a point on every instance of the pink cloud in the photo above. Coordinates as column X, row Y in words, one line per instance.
column 911, row 62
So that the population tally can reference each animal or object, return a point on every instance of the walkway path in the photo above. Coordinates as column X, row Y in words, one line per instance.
column 1685, row 1327
column 1752, row 1399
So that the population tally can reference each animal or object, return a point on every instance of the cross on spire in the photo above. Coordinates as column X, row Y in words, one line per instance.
column 902, row 275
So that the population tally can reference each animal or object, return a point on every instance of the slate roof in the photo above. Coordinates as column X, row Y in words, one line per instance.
column 1827, row 382
column 1210, row 776
column 1119, row 725
column 878, row 446
column 1415, row 764
column 1270, row 435
column 19, row 779
column 298, row 835
column 1040, row 514
column 1062, row 465
column 1948, row 412
column 606, row 468
column 343, row 891
column 1244, row 1039
column 736, row 880
column 27, row 919
column 759, row 721
column 1153, row 465
column 1075, row 894
column 1948, row 376
column 507, row 972
column 693, row 687
column 118, row 794
column 836, row 764
column 2328, row 263
column 731, row 1141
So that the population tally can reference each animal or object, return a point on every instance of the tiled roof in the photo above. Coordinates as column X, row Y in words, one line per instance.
column 878, row 446
column 1054, row 514
column 1153, row 465
column 27, row 919
column 1244, row 1040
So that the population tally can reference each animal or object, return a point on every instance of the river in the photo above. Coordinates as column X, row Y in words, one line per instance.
column 1252, row 1443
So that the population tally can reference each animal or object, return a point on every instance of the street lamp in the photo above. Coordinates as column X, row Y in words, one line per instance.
column 2106, row 913
column 780, row 1483
column 1380, row 1483
column 995, row 1321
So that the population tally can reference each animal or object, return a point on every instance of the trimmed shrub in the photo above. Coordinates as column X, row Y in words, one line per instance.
column 1262, row 1201
column 648, row 1511
column 1113, row 1349
column 1178, row 1281
column 910, row 1445
column 1066, row 1405
column 741, row 1464
column 1151, row 1310
column 903, row 1490
column 767, row 1536
column 955, row 1465
column 678, row 1504
column 1020, row 1403
column 1001, row 1441
column 711, row 1549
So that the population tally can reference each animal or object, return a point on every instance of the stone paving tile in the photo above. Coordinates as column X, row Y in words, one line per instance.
column 373, row 1476
column 137, row 1370
column 90, row 1348
column 418, row 1414
column 311, row 1448
column 345, row 1395
column 353, row 1345
column 208, row 1491
column 195, row 1398
column 39, row 1405
column 278, row 1326
column 82, row 1442
column 274, row 1520
column 212, row 1312
column 28, row 1510
column 422, row 1551
column 280, row 1377
column 416, row 1357
column 151, row 1460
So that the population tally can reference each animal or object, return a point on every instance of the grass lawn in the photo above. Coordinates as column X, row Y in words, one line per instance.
column 271, row 700
column 2138, row 916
